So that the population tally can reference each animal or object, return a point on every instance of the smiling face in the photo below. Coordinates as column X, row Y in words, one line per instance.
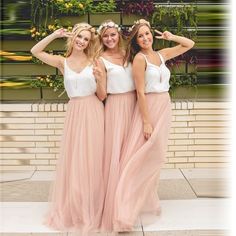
column 81, row 41
column 144, row 37
column 110, row 38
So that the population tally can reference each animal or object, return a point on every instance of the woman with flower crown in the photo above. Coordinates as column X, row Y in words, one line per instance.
column 120, row 102
column 78, row 192
column 144, row 151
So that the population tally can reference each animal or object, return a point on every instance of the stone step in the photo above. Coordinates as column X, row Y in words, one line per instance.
column 160, row 233
column 174, row 184
column 200, row 217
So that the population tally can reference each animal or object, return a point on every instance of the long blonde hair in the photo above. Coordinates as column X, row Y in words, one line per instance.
column 92, row 46
column 103, row 27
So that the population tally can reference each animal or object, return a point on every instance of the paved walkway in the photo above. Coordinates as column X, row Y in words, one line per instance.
column 194, row 203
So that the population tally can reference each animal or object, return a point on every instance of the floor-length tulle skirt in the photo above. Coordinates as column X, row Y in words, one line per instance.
column 119, row 110
column 141, row 161
column 77, row 195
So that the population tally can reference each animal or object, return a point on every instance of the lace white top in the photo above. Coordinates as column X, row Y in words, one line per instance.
column 119, row 78
column 79, row 84
column 156, row 77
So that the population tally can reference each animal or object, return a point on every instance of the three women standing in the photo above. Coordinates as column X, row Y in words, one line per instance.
column 107, row 181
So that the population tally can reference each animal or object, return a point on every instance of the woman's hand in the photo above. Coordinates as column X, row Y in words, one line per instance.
column 100, row 76
column 147, row 130
column 97, row 72
column 165, row 35
column 61, row 33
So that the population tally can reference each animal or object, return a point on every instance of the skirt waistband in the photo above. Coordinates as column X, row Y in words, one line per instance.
column 83, row 97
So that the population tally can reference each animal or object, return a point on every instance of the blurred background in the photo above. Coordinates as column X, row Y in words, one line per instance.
column 202, row 73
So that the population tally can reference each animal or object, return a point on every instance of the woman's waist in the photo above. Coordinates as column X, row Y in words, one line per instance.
column 78, row 97
column 131, row 92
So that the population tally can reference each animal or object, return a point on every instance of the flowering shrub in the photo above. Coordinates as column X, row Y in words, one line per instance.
column 40, row 33
column 177, row 19
column 53, row 81
column 73, row 6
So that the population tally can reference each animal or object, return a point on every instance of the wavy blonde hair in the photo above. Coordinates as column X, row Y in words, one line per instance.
column 92, row 46
column 102, row 48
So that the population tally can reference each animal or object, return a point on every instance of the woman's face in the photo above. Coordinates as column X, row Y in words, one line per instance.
column 144, row 37
column 82, row 40
column 110, row 38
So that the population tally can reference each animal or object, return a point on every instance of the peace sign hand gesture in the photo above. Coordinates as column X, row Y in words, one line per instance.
column 97, row 72
column 61, row 33
column 165, row 35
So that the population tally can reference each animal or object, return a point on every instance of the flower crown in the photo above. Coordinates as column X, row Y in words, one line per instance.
column 107, row 25
column 141, row 21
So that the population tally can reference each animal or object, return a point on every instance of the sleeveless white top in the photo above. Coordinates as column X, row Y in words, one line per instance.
column 79, row 84
column 156, row 77
column 119, row 78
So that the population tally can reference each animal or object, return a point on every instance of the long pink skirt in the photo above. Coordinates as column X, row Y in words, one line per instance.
column 136, row 195
column 77, row 195
column 119, row 110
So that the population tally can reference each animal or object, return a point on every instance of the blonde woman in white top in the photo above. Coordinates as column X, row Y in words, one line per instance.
column 145, row 150
column 120, row 95
column 78, row 192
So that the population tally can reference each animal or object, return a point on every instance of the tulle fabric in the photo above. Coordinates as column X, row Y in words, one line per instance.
column 141, row 161
column 77, row 195
column 119, row 110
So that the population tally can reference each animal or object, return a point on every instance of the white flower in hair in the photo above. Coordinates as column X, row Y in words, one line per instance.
column 141, row 21
column 107, row 25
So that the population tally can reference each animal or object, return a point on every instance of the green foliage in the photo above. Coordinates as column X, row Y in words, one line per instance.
column 55, row 82
column 104, row 6
column 185, row 79
column 72, row 6
column 179, row 19
column 38, row 32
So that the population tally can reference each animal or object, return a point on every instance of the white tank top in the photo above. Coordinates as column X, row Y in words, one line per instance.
column 156, row 77
column 79, row 84
column 119, row 78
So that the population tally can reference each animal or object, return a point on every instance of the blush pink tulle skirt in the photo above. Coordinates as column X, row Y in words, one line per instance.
column 136, row 197
column 119, row 110
column 77, row 196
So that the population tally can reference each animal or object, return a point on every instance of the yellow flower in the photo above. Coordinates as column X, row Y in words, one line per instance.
column 43, row 34
column 81, row 5
column 50, row 27
column 70, row 4
column 37, row 33
column 41, row 79
column 47, row 79
column 50, row 84
column 33, row 30
column 67, row 5
column 33, row 35
column 69, row 28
